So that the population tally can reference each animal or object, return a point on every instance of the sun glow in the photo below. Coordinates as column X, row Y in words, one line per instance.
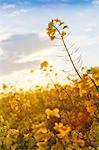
column 24, row 79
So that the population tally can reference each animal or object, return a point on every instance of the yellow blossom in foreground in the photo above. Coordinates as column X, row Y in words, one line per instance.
column 79, row 142
column 42, row 130
column 63, row 131
column 97, row 95
column 52, row 113
column 90, row 106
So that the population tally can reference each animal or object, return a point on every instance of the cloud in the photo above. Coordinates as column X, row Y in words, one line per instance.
column 16, row 13
column 23, row 44
column 18, row 49
column 4, row 33
column 1, row 52
column 8, row 6
column 8, row 67
column 19, row 46
column 95, row 2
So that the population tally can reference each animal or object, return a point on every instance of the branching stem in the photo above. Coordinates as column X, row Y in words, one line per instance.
column 68, row 53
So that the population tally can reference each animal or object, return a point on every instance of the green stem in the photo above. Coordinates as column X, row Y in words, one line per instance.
column 68, row 54
column 93, row 82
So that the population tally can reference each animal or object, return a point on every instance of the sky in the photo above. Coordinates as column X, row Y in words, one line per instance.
column 40, row 2
column 24, row 43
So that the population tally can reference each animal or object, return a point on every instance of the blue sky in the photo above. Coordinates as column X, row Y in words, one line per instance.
column 39, row 2
column 24, row 44
column 49, row 2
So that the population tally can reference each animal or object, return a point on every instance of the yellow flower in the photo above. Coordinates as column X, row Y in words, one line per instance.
column 98, row 148
column 61, row 23
column 63, row 131
column 52, row 113
column 26, row 137
column 97, row 95
column 42, row 130
column 63, row 34
column 90, row 106
column 78, row 141
column 82, row 88
column 57, row 20
column 44, row 64
column 1, row 119
column 52, row 29
column 14, row 132
column 14, row 146
column 52, row 37
column 4, row 86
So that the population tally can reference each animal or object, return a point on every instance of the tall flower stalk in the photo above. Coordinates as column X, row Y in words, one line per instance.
column 56, row 29
column 57, row 26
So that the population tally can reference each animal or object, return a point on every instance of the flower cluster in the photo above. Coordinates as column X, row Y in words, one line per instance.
column 38, row 119
column 56, row 26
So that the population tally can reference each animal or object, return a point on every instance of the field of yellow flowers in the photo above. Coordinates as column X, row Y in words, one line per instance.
column 65, row 117
column 54, row 117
